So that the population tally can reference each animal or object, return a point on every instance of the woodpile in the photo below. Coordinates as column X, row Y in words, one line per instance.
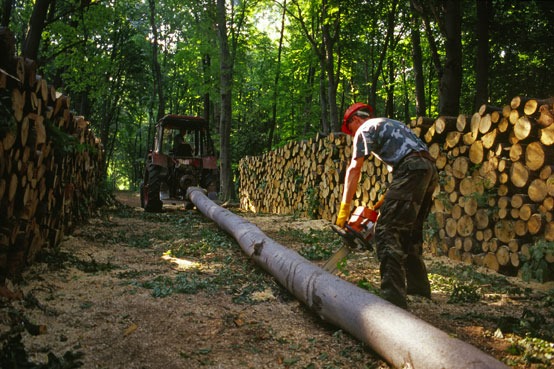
column 497, row 184
column 307, row 178
column 50, row 163
column 496, row 192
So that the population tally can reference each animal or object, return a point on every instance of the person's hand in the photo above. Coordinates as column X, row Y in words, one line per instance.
column 344, row 212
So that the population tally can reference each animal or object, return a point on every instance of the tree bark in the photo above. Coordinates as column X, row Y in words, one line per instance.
column 158, row 84
column 451, row 82
column 36, row 25
column 7, row 6
column 330, row 37
column 226, row 80
column 277, row 76
column 484, row 10
column 418, row 64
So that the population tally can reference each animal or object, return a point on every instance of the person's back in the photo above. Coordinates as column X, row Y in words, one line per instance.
column 183, row 149
column 180, row 147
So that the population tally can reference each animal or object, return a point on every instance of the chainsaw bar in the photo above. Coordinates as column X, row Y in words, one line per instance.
column 332, row 264
column 352, row 240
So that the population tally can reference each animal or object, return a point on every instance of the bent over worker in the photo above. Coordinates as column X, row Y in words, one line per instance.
column 399, row 230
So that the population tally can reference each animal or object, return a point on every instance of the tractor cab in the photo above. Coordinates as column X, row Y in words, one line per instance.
column 183, row 155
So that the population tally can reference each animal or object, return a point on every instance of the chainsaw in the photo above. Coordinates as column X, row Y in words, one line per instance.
column 356, row 234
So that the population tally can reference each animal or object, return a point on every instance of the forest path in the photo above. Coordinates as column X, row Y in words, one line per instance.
column 136, row 290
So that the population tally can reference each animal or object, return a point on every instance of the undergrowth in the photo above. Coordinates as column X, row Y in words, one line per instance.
column 219, row 266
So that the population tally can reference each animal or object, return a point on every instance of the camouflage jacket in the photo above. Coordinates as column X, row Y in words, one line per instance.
column 388, row 139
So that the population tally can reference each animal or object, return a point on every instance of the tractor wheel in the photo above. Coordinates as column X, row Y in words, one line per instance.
column 211, row 183
column 152, row 202
column 142, row 190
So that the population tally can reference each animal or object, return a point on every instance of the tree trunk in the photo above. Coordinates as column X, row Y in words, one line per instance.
column 158, row 85
column 484, row 10
column 276, row 82
column 418, row 65
column 206, row 63
column 330, row 32
column 36, row 25
column 226, row 80
column 391, row 23
column 396, row 335
column 451, row 82
column 6, row 13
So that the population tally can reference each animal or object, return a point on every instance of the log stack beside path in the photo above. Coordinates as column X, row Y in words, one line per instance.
column 50, row 162
column 496, row 191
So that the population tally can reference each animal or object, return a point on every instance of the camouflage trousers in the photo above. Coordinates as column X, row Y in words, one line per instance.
column 399, row 230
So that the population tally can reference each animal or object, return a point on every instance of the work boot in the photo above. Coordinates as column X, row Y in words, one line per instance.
column 393, row 282
column 422, row 293
column 416, row 277
column 394, row 298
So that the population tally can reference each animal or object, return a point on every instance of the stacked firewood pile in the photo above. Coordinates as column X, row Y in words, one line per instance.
column 496, row 192
column 497, row 189
column 50, row 162
column 306, row 178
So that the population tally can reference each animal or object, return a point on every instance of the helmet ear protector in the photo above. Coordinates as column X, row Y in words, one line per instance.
column 359, row 109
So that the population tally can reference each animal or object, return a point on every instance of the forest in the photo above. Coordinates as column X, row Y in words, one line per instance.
column 265, row 72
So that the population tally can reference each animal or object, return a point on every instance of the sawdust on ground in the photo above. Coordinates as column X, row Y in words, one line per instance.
column 115, row 323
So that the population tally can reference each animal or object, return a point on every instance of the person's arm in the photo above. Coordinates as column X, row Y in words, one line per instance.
column 350, row 185
column 351, row 179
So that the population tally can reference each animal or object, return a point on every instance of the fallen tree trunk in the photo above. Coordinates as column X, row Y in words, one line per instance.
column 399, row 337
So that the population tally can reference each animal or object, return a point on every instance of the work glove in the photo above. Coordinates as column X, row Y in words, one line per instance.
column 344, row 212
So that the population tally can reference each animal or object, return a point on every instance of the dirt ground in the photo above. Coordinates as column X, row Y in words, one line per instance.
column 136, row 290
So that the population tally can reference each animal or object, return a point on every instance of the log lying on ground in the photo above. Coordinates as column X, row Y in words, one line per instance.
column 399, row 337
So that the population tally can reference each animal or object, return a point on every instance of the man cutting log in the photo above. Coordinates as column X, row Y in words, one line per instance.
column 399, row 230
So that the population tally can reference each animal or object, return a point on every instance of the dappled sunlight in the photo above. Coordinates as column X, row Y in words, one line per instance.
column 179, row 263
column 184, row 265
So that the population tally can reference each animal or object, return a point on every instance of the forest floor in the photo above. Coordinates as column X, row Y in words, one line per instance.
column 130, row 289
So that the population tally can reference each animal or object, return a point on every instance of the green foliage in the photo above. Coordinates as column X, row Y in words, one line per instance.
column 163, row 286
column 368, row 286
column 535, row 266
column 463, row 293
column 57, row 259
column 62, row 142
column 431, row 230
column 312, row 202
column 444, row 278
column 104, row 193
column 481, row 198
column 534, row 351
column 100, row 55
column 316, row 244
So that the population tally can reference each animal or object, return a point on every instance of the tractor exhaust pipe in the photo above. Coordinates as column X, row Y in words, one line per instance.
column 399, row 337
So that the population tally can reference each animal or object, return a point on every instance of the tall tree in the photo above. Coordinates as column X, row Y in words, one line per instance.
column 322, row 30
column 451, row 82
column 36, row 26
column 447, row 15
column 417, row 60
column 226, row 89
column 484, row 12
column 273, row 122
column 7, row 6
column 158, row 81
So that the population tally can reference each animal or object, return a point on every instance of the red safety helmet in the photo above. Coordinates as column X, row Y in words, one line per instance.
column 350, row 111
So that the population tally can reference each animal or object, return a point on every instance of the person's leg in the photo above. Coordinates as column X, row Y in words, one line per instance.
column 398, row 252
column 416, row 272
column 416, row 277
column 389, row 235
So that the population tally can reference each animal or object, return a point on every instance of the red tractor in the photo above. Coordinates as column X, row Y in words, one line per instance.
column 183, row 156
